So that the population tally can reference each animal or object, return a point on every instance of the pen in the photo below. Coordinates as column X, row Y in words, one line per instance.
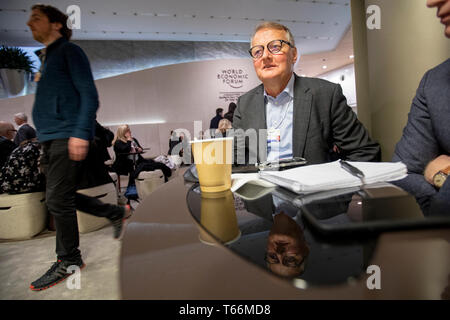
column 351, row 169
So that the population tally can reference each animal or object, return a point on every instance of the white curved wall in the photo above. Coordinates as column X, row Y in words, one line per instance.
column 157, row 100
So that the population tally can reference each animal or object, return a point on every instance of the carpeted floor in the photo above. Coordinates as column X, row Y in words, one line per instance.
column 22, row 262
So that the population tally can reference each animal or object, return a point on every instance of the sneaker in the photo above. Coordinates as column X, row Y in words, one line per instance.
column 56, row 274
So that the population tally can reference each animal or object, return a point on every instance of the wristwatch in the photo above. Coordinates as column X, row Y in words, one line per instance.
column 440, row 177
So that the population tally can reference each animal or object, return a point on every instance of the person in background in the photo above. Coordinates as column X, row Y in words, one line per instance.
column 173, row 141
column 24, row 130
column 304, row 117
column 229, row 115
column 95, row 171
column 21, row 172
column 7, row 133
column 214, row 124
column 65, row 84
column 224, row 125
column 127, row 150
column 425, row 144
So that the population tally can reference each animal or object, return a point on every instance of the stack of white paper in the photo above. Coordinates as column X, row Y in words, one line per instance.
column 331, row 175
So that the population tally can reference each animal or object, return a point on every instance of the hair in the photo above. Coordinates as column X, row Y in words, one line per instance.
column 5, row 127
column 232, row 106
column 224, row 125
column 276, row 26
column 21, row 116
column 54, row 15
column 218, row 111
column 120, row 134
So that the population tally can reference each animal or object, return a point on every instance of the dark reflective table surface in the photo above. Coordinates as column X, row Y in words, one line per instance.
column 309, row 240
column 167, row 253
column 270, row 232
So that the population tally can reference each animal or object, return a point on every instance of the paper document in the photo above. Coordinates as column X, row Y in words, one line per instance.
column 328, row 176
column 239, row 179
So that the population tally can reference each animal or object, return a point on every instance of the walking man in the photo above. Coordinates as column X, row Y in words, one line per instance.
column 64, row 113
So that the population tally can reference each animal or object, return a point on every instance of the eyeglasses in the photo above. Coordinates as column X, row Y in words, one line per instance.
column 273, row 46
column 287, row 261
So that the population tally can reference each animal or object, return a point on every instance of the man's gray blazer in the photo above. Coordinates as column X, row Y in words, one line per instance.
column 321, row 118
column 427, row 133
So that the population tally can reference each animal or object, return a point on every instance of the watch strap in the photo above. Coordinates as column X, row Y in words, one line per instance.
column 446, row 170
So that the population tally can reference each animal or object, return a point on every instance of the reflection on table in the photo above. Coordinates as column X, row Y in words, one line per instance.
column 162, row 250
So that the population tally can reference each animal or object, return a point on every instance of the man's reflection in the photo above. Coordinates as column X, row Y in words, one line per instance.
column 286, row 247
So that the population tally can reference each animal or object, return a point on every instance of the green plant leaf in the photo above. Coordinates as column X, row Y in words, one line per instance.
column 15, row 58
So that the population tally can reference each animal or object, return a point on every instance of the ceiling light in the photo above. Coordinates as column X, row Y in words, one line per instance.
column 324, row 67
column 351, row 56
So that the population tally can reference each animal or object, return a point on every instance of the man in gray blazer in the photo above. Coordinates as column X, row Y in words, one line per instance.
column 425, row 144
column 294, row 116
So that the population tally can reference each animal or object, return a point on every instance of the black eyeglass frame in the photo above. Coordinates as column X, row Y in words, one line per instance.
column 284, row 263
column 267, row 46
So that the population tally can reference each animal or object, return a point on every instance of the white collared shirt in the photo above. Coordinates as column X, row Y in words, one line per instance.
column 279, row 119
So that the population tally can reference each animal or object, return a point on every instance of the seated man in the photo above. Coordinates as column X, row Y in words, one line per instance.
column 7, row 146
column 304, row 117
column 24, row 130
column 425, row 144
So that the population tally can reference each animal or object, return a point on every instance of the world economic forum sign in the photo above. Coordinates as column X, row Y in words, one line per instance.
column 234, row 78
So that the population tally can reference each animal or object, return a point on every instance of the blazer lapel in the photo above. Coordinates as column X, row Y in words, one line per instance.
column 259, row 108
column 302, row 113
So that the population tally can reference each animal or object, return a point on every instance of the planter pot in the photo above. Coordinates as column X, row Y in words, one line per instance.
column 14, row 81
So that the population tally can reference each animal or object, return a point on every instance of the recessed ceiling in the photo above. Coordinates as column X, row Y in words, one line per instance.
column 317, row 25
column 315, row 64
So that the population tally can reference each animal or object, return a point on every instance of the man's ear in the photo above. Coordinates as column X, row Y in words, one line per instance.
column 295, row 55
column 56, row 26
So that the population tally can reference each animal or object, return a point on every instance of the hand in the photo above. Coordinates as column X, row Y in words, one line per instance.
column 78, row 148
column 139, row 150
column 440, row 163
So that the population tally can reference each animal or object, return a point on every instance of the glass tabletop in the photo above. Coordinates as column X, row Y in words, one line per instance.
column 271, row 232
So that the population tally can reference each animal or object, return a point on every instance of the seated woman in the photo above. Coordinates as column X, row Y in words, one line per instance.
column 128, row 159
column 127, row 150
column 224, row 125
column 95, row 172
column 21, row 173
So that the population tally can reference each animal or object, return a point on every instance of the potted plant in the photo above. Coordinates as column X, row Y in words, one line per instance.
column 15, row 67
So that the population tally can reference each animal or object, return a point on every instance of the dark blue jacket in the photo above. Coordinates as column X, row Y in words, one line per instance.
column 66, row 99
column 214, row 124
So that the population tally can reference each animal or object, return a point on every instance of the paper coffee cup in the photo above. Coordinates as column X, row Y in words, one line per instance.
column 213, row 159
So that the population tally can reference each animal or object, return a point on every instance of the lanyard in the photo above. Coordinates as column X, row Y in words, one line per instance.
column 286, row 108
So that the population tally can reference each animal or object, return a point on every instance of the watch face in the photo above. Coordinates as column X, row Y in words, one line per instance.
column 439, row 179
